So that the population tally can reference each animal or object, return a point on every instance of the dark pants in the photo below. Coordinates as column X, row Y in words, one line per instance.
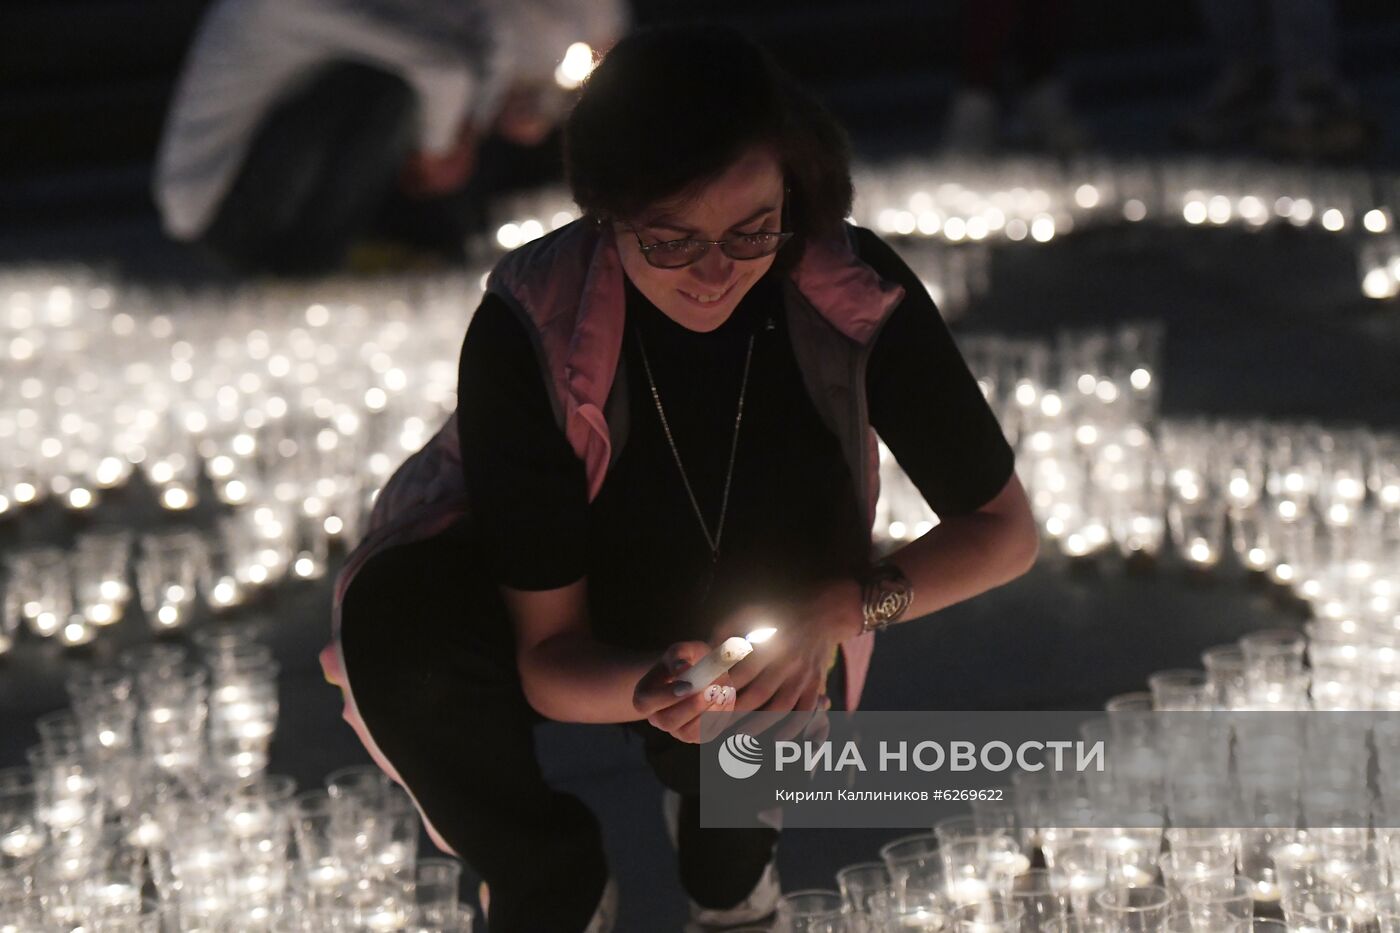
column 429, row 650
column 318, row 171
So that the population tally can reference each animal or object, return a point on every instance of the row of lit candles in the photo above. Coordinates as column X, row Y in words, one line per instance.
column 1038, row 200
column 1080, row 409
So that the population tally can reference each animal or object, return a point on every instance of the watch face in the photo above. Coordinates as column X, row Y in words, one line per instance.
column 887, row 595
column 888, row 603
column 892, row 597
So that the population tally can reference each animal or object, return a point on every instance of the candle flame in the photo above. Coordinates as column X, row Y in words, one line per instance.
column 759, row 635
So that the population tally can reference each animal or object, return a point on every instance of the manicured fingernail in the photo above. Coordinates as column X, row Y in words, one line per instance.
column 681, row 688
column 679, row 664
column 715, row 692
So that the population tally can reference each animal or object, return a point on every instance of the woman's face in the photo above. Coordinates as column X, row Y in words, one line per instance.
column 747, row 198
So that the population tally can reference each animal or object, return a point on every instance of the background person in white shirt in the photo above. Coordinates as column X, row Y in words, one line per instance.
column 293, row 122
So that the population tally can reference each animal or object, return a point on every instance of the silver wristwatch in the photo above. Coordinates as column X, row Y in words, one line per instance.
column 885, row 596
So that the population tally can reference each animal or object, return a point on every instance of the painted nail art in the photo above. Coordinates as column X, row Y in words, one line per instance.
column 714, row 693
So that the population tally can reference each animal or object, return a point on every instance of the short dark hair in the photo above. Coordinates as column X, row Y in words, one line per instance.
column 671, row 107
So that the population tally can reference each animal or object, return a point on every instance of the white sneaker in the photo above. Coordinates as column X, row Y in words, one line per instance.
column 604, row 917
column 760, row 903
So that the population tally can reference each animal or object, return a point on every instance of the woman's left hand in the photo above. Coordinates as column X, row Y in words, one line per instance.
column 788, row 672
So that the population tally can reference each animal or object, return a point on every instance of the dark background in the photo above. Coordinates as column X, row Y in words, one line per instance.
column 84, row 83
column 1269, row 324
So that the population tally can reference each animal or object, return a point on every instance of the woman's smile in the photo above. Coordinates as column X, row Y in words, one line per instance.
column 709, row 298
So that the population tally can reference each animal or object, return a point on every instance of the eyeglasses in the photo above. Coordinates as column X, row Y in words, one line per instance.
column 676, row 254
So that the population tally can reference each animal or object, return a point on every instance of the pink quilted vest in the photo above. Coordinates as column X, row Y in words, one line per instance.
column 569, row 285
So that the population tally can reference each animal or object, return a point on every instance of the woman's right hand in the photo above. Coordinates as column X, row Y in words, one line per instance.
column 655, row 697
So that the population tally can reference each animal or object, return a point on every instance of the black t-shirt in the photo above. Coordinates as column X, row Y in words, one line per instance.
column 792, row 517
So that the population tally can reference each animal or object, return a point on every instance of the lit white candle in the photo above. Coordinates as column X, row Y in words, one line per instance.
column 230, row 693
column 64, row 814
column 1082, row 884
column 724, row 656
column 1004, row 866
column 968, row 890
column 1294, row 854
column 21, row 843
column 922, row 919
column 394, row 854
column 326, row 874
column 387, row 918
column 255, row 884
column 146, row 834
column 210, row 904
column 252, row 730
column 249, row 822
column 117, row 895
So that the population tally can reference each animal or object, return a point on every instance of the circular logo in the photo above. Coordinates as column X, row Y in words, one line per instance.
column 741, row 755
